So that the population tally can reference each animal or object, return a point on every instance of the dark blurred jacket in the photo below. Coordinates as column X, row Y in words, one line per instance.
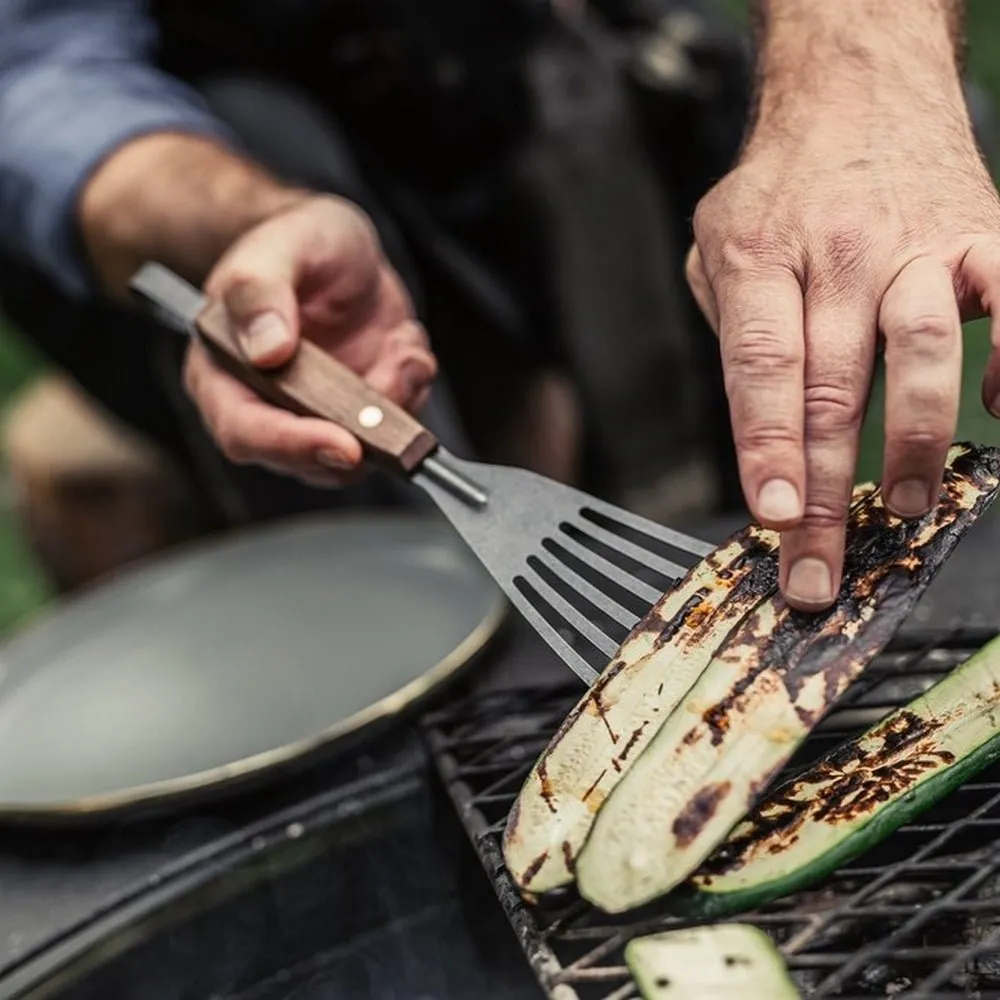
column 78, row 78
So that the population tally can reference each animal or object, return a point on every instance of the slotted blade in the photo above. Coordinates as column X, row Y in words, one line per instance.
column 581, row 571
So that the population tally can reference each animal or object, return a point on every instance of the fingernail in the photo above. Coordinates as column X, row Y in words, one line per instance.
column 810, row 582
column 778, row 501
column 995, row 406
column 265, row 334
column 910, row 498
column 332, row 461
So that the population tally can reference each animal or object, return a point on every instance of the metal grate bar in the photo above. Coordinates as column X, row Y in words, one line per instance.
column 916, row 917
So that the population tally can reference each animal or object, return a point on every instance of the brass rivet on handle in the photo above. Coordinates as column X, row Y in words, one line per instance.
column 371, row 416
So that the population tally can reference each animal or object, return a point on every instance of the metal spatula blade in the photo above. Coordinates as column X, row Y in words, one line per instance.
column 581, row 571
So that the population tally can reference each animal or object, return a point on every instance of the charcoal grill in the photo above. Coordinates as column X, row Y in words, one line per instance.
column 357, row 879
column 918, row 916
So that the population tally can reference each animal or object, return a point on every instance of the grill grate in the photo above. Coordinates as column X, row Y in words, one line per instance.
column 917, row 916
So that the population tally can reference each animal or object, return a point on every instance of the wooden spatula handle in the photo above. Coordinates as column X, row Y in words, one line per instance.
column 316, row 385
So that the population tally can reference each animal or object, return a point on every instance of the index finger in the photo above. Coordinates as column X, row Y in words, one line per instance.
column 762, row 340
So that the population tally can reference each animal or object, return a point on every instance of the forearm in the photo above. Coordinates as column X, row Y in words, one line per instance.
column 80, row 87
column 178, row 199
column 818, row 58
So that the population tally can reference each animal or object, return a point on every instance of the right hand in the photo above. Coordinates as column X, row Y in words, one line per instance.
column 824, row 238
column 315, row 270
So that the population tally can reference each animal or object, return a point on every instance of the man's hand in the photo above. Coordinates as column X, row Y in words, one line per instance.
column 286, row 263
column 859, row 208
column 317, row 271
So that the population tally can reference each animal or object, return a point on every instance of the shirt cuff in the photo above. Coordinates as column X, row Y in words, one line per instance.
column 63, row 160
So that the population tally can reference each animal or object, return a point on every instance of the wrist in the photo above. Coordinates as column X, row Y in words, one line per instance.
column 176, row 198
column 855, row 63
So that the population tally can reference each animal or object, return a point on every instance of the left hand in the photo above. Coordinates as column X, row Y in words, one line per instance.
column 883, row 222
column 316, row 270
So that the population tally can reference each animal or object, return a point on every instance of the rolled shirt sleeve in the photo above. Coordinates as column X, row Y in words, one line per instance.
column 76, row 82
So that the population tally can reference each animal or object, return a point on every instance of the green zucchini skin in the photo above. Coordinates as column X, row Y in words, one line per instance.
column 770, row 684
column 926, row 733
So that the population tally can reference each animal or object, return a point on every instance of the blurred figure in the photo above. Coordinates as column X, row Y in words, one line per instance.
column 482, row 208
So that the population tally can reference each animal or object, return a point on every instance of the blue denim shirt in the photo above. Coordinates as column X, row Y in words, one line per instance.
column 76, row 82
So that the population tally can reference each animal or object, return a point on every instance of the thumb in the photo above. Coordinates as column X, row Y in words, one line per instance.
column 264, row 314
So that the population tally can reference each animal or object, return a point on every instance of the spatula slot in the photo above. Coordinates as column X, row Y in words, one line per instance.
column 630, row 606
column 545, row 608
column 681, row 558
column 627, row 559
column 609, row 627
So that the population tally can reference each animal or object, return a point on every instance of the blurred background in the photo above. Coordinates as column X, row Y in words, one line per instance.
column 25, row 587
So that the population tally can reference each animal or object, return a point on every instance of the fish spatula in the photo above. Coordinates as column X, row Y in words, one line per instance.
column 581, row 571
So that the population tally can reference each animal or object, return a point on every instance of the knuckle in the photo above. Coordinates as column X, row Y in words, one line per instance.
column 925, row 435
column 738, row 230
column 231, row 443
column 824, row 512
column 716, row 205
column 840, row 259
column 730, row 250
column 771, row 442
column 704, row 219
column 694, row 268
column 930, row 335
column 732, row 244
column 833, row 408
column 751, row 252
column 759, row 348
column 766, row 437
column 847, row 246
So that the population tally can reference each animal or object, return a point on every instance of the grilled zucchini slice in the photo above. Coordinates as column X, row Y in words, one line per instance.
column 661, row 658
column 719, row 962
column 858, row 794
column 774, row 679
column 604, row 733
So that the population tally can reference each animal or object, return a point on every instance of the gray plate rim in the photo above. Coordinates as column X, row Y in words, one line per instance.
column 223, row 776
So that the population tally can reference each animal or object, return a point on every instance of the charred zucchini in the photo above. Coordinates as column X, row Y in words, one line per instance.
column 661, row 658
column 858, row 794
column 776, row 676
column 709, row 963
column 603, row 734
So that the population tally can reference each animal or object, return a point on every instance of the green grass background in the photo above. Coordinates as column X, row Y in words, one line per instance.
column 23, row 590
